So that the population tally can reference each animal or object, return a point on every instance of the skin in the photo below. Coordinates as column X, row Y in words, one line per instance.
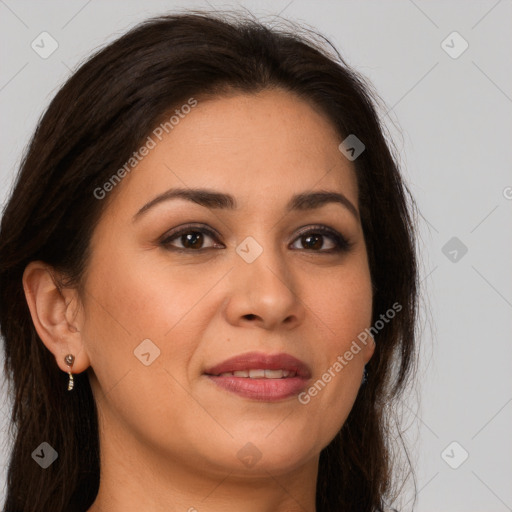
column 169, row 436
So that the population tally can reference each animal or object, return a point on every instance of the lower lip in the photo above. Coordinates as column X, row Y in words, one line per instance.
column 268, row 390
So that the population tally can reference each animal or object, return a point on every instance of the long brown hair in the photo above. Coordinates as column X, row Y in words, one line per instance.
column 92, row 126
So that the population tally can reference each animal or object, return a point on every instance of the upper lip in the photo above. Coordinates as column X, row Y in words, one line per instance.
column 259, row 360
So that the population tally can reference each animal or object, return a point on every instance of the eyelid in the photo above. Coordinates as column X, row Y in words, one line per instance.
column 312, row 227
column 184, row 228
column 344, row 244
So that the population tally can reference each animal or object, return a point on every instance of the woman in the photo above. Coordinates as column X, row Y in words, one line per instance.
column 208, row 280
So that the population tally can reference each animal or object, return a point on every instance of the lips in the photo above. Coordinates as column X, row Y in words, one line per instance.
column 257, row 361
column 261, row 376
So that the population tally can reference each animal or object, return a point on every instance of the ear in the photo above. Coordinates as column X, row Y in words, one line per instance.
column 54, row 312
column 369, row 349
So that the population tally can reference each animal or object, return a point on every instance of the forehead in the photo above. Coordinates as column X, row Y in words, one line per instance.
column 264, row 146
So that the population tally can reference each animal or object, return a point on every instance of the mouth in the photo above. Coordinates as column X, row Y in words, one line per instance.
column 259, row 374
column 262, row 377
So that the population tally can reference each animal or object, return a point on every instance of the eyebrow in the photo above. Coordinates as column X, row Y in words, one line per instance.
column 218, row 200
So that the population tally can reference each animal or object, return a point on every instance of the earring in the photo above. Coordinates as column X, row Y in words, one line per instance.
column 365, row 376
column 69, row 360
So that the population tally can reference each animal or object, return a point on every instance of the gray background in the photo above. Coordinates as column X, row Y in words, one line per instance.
column 451, row 120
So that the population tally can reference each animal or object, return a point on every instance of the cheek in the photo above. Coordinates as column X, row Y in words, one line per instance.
column 127, row 304
column 139, row 298
column 341, row 303
column 136, row 296
column 341, row 312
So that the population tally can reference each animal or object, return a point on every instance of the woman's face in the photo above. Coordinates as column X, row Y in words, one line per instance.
column 178, row 287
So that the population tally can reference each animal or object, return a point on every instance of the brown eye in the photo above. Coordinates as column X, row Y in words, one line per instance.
column 192, row 240
column 314, row 240
column 189, row 239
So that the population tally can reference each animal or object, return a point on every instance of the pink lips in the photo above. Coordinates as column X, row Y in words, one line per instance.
column 295, row 376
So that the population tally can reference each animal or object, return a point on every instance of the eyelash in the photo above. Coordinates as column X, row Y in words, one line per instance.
column 340, row 242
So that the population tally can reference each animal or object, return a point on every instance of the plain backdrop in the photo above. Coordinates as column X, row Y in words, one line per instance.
column 449, row 110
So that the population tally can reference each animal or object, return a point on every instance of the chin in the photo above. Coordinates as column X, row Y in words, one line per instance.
column 259, row 454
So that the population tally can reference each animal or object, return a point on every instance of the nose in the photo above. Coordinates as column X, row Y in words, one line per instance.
column 264, row 293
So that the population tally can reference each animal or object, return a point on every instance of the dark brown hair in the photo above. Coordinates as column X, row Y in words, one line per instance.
column 92, row 126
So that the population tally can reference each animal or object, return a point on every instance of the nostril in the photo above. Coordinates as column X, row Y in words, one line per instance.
column 250, row 316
